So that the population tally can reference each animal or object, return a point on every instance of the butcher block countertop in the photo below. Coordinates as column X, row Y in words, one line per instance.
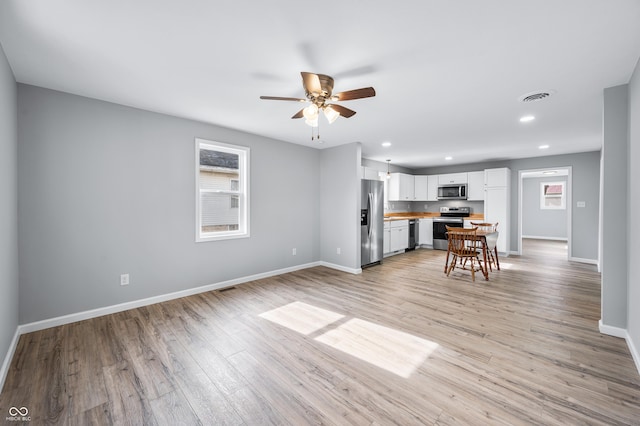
column 414, row 215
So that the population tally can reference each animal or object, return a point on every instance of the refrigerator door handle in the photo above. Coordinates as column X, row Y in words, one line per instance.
column 369, row 207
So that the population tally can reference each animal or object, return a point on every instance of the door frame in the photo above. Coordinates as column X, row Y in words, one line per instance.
column 569, row 204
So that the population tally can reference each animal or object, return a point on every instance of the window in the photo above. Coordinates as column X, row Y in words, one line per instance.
column 552, row 195
column 222, row 191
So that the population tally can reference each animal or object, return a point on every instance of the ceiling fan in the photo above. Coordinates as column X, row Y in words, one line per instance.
column 318, row 89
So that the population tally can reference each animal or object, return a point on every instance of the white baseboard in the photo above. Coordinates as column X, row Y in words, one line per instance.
column 612, row 331
column 4, row 370
column 622, row 333
column 583, row 260
column 354, row 271
column 537, row 237
column 93, row 313
column 635, row 352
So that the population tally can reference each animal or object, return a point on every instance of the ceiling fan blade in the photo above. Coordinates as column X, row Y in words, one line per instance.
column 345, row 112
column 299, row 114
column 311, row 83
column 365, row 92
column 278, row 98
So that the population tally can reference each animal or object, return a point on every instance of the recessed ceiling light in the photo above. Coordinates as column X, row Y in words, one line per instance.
column 543, row 147
column 527, row 118
column 448, row 158
column 386, row 144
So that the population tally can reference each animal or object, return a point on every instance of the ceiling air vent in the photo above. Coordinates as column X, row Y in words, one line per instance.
column 536, row 96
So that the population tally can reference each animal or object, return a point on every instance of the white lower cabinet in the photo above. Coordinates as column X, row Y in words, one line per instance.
column 398, row 235
column 386, row 238
column 425, row 232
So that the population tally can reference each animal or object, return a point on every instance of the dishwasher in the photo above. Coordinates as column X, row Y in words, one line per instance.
column 413, row 234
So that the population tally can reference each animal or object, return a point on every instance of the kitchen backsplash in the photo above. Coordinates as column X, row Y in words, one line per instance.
column 432, row 206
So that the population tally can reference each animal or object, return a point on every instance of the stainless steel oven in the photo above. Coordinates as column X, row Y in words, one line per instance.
column 449, row 216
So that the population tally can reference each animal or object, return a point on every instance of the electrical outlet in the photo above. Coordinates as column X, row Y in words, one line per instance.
column 294, row 251
column 581, row 204
column 124, row 279
column 338, row 251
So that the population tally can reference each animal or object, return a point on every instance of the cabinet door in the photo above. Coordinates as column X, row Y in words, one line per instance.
column 496, row 177
column 401, row 187
column 496, row 209
column 432, row 188
column 403, row 238
column 407, row 187
column 425, row 232
column 399, row 238
column 475, row 188
column 371, row 174
column 386, row 240
column 393, row 186
column 394, row 239
column 421, row 188
column 452, row 178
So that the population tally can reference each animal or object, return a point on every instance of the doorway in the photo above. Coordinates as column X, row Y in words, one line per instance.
column 544, row 212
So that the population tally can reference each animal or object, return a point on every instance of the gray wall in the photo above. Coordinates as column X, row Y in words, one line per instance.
column 633, row 297
column 586, row 183
column 8, row 208
column 615, row 177
column 106, row 189
column 340, row 205
column 537, row 222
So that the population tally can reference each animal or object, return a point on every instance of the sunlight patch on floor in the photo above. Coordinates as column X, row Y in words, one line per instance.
column 395, row 351
column 301, row 317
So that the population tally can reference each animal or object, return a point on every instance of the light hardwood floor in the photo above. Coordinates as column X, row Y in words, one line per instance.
column 399, row 344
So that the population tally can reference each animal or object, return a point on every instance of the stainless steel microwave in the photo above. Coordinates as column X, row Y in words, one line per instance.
column 452, row 192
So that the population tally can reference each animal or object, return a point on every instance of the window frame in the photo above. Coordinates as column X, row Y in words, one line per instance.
column 242, row 193
column 562, row 196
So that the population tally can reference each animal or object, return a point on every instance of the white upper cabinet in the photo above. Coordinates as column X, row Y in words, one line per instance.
column 401, row 187
column 421, row 188
column 497, row 177
column 475, row 187
column 452, row 178
column 369, row 173
column 432, row 188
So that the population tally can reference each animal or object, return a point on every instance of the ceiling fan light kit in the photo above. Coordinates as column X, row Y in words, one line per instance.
column 318, row 89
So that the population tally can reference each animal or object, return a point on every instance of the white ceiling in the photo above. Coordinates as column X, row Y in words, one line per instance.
column 448, row 74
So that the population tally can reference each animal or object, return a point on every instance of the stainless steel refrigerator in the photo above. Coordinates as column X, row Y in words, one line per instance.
column 371, row 222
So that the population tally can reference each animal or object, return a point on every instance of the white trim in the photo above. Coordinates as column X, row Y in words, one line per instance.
column 612, row 331
column 583, row 260
column 535, row 237
column 93, row 313
column 569, row 208
column 243, row 193
column 4, row 370
column 354, row 271
column 635, row 354
column 623, row 334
